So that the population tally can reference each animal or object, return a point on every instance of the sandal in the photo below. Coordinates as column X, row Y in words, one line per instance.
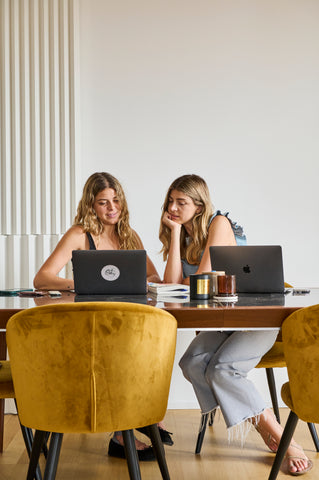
column 291, row 457
column 301, row 472
column 164, row 434
column 117, row 450
column 269, row 439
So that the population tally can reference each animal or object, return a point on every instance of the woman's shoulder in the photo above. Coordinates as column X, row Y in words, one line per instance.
column 76, row 231
column 74, row 235
column 137, row 238
column 218, row 218
column 222, row 220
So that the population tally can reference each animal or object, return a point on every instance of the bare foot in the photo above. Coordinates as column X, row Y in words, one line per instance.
column 267, row 438
column 298, row 462
column 139, row 445
column 268, row 427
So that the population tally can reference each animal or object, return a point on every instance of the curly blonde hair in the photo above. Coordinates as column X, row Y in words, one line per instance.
column 87, row 218
column 196, row 188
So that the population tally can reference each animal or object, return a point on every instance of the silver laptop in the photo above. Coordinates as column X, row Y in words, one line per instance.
column 109, row 272
column 258, row 268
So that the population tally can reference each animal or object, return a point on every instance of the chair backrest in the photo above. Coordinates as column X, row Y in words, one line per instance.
column 91, row 367
column 300, row 334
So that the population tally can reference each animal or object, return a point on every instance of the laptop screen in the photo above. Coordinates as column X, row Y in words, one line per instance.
column 109, row 272
column 258, row 268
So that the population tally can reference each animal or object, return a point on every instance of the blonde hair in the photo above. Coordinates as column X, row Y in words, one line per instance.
column 87, row 218
column 196, row 188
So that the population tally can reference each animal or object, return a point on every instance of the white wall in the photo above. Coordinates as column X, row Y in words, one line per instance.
column 225, row 89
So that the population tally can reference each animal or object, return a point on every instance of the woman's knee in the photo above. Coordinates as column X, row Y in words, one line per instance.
column 210, row 373
column 217, row 373
column 186, row 366
column 193, row 366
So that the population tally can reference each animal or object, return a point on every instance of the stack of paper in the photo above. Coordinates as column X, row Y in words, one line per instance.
column 169, row 292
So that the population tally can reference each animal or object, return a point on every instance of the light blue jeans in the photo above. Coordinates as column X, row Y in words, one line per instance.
column 217, row 364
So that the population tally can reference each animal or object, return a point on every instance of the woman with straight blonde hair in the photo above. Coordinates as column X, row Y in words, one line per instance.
column 217, row 363
column 189, row 226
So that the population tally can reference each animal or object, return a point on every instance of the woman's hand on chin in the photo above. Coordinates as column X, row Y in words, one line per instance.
column 171, row 224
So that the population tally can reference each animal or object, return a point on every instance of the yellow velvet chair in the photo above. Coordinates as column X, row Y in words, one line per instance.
column 300, row 335
column 274, row 358
column 92, row 367
column 7, row 391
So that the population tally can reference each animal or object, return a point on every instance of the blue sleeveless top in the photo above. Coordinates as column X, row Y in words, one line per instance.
column 240, row 237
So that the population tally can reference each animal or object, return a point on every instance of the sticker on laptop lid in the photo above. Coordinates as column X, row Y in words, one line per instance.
column 110, row 273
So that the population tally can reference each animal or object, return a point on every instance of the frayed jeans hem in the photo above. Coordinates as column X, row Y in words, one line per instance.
column 241, row 430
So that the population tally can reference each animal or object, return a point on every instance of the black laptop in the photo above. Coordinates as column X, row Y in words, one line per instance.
column 109, row 272
column 258, row 268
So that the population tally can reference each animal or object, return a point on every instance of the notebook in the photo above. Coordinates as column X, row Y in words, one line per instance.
column 258, row 268
column 109, row 272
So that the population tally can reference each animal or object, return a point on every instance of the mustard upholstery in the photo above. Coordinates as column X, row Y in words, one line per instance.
column 91, row 366
column 274, row 357
column 6, row 384
column 300, row 334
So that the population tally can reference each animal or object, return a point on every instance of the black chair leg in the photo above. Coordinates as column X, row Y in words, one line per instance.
column 131, row 455
column 36, row 443
column 53, row 455
column 201, row 433
column 28, row 440
column 314, row 435
column 27, row 437
column 27, row 434
column 211, row 417
column 273, row 393
column 159, row 450
column 45, row 445
column 283, row 445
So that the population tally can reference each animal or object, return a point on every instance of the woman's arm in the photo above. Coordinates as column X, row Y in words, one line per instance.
column 173, row 271
column 219, row 233
column 151, row 272
column 47, row 277
column 152, row 275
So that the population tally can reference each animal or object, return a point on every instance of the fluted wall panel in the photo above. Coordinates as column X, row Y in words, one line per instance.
column 38, row 130
column 23, row 256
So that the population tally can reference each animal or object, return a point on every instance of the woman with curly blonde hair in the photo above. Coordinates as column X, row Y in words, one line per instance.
column 102, row 223
column 88, row 219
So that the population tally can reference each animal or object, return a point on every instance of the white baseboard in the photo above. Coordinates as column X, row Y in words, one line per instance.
column 9, row 406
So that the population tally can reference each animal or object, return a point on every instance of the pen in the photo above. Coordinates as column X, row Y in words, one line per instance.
column 297, row 291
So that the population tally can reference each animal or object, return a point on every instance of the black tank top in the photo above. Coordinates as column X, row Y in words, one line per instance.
column 91, row 241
